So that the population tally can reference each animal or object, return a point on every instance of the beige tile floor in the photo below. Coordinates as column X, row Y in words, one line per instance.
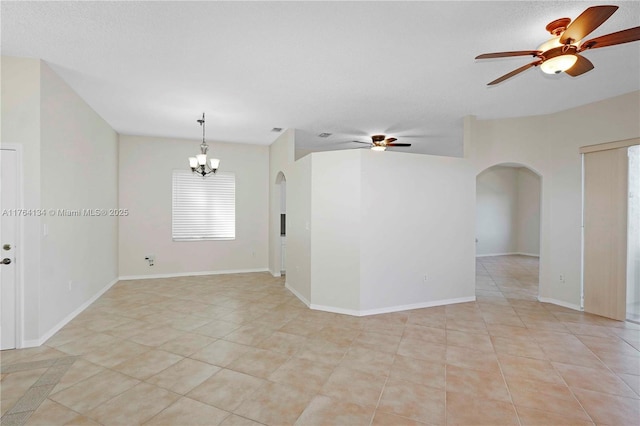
column 241, row 350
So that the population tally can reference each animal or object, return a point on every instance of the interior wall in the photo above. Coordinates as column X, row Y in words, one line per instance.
column 145, row 190
column 72, row 157
column 497, row 211
column 549, row 144
column 20, row 124
column 79, row 159
column 369, row 240
column 283, row 196
column 633, row 236
column 417, row 231
column 528, row 212
column 336, row 229
column 299, row 208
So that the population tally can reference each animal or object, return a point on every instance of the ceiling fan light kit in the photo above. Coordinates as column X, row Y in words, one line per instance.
column 559, row 59
column 558, row 64
column 562, row 53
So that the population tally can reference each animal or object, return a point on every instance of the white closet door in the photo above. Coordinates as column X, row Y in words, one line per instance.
column 605, row 232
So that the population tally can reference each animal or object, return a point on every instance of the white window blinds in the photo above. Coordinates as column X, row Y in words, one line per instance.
column 203, row 208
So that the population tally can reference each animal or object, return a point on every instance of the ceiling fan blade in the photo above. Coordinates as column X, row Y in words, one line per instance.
column 508, row 54
column 398, row 144
column 620, row 37
column 390, row 140
column 581, row 66
column 514, row 72
column 367, row 143
column 416, row 136
column 588, row 21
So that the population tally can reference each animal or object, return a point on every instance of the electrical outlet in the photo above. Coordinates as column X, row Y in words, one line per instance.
column 425, row 278
column 562, row 278
column 151, row 258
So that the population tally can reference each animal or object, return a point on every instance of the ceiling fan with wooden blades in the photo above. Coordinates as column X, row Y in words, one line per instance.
column 562, row 53
column 381, row 143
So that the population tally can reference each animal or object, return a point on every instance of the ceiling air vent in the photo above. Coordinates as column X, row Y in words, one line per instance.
column 324, row 135
column 276, row 129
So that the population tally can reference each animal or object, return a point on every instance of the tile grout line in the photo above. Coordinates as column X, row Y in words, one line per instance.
column 550, row 362
column 26, row 399
column 571, row 389
column 446, row 365
column 496, row 353
column 386, row 380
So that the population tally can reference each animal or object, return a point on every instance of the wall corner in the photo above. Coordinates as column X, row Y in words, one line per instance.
column 468, row 123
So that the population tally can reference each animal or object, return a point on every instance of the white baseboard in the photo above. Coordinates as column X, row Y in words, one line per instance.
column 335, row 310
column 508, row 254
column 192, row 274
column 495, row 254
column 67, row 319
column 397, row 308
column 418, row 305
column 275, row 274
column 559, row 303
column 296, row 294
column 31, row 343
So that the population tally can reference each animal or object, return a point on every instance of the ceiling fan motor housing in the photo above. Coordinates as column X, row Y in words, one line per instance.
column 558, row 26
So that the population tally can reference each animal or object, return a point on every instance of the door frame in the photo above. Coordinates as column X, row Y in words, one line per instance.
column 19, row 323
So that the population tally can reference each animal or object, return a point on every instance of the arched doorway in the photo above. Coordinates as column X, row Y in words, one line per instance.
column 281, row 182
column 508, row 210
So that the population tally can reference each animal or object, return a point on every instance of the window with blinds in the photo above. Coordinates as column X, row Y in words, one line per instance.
column 203, row 208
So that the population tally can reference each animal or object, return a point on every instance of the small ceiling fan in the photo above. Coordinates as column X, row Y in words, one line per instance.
column 562, row 53
column 381, row 143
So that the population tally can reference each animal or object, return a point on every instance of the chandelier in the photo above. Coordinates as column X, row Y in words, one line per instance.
column 200, row 164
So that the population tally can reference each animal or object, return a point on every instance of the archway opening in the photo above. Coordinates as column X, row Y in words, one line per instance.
column 508, row 217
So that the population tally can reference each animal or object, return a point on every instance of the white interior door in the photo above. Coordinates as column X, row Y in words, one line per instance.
column 8, row 233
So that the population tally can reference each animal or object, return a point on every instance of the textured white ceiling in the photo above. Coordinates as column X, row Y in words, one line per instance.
column 353, row 69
